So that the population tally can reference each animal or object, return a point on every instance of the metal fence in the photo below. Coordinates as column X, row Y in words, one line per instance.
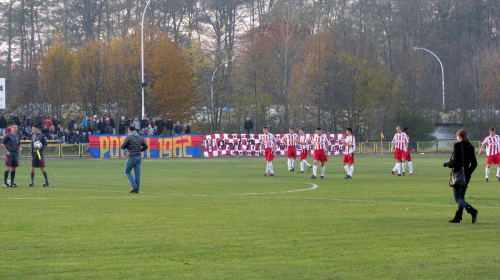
column 55, row 150
column 370, row 147
column 436, row 146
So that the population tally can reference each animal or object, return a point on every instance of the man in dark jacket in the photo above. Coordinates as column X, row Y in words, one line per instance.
column 463, row 157
column 122, row 126
column 3, row 125
column 169, row 126
column 248, row 125
column 144, row 123
column 135, row 145
column 160, row 124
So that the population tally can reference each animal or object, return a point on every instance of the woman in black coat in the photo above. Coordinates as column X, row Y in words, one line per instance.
column 469, row 162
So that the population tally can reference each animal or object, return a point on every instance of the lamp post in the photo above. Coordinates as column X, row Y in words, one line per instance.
column 143, row 84
column 442, row 70
column 212, row 93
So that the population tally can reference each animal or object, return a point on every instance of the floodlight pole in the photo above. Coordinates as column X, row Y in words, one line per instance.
column 442, row 70
column 212, row 93
column 143, row 84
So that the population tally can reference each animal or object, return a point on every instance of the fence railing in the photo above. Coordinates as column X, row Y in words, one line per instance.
column 82, row 150
column 436, row 146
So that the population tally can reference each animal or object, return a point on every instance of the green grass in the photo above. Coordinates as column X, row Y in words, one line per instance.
column 222, row 219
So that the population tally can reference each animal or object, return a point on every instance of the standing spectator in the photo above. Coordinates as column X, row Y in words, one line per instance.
column 492, row 144
column 29, row 121
column 169, row 126
column 463, row 156
column 94, row 128
column 137, row 124
column 153, row 122
column 39, row 121
column 178, row 128
column 37, row 157
column 135, row 145
column 47, row 122
column 3, row 125
column 101, row 125
column 112, row 124
column 320, row 144
column 160, row 124
column 248, row 126
column 108, row 129
column 85, row 123
column 129, row 123
column 187, row 128
column 400, row 145
column 122, row 126
column 16, row 120
column 269, row 144
column 349, row 148
column 144, row 123
column 71, row 123
column 55, row 123
column 12, row 145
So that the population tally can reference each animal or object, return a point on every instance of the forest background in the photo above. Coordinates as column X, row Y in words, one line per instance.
column 300, row 63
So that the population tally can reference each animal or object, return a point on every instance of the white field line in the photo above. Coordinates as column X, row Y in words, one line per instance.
column 314, row 186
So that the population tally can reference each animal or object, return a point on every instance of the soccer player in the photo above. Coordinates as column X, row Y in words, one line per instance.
column 12, row 145
column 290, row 141
column 303, row 139
column 320, row 143
column 269, row 144
column 492, row 144
column 408, row 156
column 349, row 148
column 400, row 145
column 37, row 157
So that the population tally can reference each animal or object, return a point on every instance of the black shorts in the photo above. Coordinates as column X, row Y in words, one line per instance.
column 37, row 162
column 12, row 160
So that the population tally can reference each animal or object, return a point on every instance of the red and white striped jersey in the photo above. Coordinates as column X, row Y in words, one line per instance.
column 400, row 140
column 305, row 139
column 268, row 141
column 350, row 141
column 492, row 144
column 320, row 142
column 288, row 139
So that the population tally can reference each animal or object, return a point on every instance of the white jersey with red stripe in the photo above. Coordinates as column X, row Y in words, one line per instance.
column 289, row 139
column 268, row 141
column 400, row 140
column 320, row 142
column 304, row 139
column 492, row 144
column 350, row 147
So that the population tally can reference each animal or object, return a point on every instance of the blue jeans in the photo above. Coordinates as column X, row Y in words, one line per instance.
column 135, row 163
column 169, row 132
column 249, row 131
column 459, row 194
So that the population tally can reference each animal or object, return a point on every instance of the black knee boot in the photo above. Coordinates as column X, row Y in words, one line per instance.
column 458, row 216
column 473, row 212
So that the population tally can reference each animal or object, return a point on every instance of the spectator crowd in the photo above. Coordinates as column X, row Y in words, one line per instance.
column 76, row 132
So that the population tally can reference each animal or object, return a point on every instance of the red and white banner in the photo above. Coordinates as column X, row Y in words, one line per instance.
column 215, row 145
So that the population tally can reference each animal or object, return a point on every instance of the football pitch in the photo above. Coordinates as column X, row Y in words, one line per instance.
column 220, row 218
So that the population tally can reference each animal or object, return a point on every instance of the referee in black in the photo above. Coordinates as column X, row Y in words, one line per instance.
column 12, row 145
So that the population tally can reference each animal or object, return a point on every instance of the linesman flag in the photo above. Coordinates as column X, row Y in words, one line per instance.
column 38, row 153
column 382, row 135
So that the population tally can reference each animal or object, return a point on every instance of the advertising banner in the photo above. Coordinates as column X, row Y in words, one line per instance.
column 2, row 93
column 215, row 145
column 108, row 146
